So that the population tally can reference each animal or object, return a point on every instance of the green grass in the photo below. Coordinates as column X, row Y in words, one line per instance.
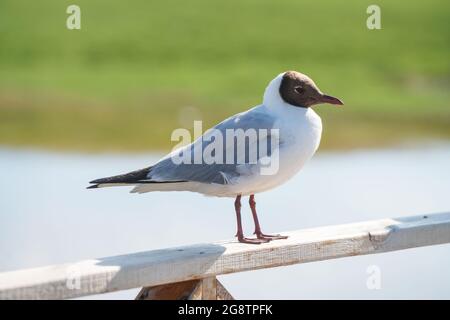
column 136, row 70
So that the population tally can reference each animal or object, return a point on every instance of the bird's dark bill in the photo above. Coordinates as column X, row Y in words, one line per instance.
column 331, row 100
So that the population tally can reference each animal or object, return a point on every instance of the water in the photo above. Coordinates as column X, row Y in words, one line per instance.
column 47, row 216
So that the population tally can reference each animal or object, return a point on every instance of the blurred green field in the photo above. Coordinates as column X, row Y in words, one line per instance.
column 137, row 70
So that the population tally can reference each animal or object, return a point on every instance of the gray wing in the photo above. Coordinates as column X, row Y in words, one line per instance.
column 221, row 173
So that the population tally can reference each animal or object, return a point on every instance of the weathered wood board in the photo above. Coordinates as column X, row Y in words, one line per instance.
column 157, row 267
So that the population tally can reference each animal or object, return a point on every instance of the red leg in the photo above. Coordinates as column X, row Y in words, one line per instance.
column 259, row 234
column 240, row 232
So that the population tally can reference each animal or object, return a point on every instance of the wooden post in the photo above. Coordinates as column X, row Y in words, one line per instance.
column 204, row 289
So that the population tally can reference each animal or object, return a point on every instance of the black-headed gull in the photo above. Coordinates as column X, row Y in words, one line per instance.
column 282, row 134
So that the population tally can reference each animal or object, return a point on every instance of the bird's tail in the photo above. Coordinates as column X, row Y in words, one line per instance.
column 122, row 179
column 139, row 178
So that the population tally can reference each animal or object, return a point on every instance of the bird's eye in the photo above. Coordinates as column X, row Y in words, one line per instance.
column 299, row 89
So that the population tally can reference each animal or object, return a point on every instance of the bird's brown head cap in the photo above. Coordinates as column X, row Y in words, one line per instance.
column 299, row 90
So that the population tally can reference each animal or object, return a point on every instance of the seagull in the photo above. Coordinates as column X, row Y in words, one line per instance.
column 284, row 120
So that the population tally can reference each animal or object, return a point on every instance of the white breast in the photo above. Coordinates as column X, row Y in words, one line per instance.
column 300, row 133
column 301, row 140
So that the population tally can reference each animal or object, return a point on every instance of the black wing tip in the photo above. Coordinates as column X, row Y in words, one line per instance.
column 95, row 186
column 131, row 177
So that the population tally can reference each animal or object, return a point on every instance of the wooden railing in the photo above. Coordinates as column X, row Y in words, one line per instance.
column 190, row 272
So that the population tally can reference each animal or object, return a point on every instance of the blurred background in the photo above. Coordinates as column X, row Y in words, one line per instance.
column 82, row 104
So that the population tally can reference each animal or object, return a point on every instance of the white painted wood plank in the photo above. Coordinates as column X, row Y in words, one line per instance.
column 157, row 267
